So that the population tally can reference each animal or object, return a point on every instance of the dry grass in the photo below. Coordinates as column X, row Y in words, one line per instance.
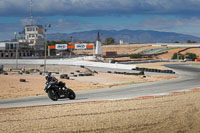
column 192, row 50
column 177, row 113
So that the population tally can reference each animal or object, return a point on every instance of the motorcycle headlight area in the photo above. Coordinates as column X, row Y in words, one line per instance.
column 61, row 84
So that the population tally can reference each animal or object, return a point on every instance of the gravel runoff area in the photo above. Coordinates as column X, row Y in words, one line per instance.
column 177, row 113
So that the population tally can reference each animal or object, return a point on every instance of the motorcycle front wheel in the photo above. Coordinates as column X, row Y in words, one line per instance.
column 71, row 94
column 52, row 95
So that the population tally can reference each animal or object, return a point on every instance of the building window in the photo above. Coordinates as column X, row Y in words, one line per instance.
column 29, row 29
column 7, row 46
column 11, row 46
column 31, row 35
column 1, row 54
column 6, row 54
column 31, row 41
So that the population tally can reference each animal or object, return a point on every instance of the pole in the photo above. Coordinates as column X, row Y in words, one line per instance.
column 45, row 56
column 70, row 53
column 31, row 11
column 16, row 52
column 49, row 51
column 177, row 56
column 17, row 45
column 45, row 45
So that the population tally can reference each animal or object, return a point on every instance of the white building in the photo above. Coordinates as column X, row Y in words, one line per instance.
column 121, row 42
column 98, row 51
column 35, row 36
column 8, row 45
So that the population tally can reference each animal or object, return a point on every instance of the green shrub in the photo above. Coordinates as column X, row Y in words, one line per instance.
column 178, row 56
column 191, row 56
column 136, row 56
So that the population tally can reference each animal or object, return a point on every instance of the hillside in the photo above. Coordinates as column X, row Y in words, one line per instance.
column 132, row 36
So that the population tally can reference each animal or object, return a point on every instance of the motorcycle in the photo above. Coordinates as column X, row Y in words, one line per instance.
column 57, row 89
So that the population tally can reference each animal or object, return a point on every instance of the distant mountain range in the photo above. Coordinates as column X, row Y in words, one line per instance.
column 131, row 36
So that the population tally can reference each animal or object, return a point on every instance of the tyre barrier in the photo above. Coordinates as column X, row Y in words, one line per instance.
column 85, row 74
column 153, row 70
column 64, row 76
column 95, row 72
column 5, row 73
column 141, row 73
column 27, row 72
column 22, row 80
column 129, row 73
column 81, row 75
column 88, row 74
column 20, row 73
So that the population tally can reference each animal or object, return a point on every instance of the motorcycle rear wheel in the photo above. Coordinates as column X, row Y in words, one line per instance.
column 52, row 95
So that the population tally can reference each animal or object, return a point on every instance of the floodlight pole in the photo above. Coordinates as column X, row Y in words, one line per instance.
column 70, row 53
column 47, row 26
column 16, row 52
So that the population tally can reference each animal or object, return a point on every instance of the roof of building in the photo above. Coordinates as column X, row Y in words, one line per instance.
column 40, row 26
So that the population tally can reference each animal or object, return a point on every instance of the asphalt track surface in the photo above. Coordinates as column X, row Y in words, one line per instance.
column 189, row 78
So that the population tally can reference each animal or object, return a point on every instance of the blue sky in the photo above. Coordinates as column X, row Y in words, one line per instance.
column 66, row 16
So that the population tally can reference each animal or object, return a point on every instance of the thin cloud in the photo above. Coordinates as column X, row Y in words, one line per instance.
column 99, row 7
column 164, row 23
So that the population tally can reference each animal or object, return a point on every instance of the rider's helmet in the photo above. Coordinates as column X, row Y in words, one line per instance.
column 48, row 76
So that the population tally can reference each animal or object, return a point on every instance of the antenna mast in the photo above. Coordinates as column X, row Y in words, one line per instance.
column 31, row 11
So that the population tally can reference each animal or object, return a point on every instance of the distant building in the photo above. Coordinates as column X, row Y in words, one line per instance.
column 34, row 35
column 30, row 42
column 10, row 48
column 98, row 51
column 121, row 42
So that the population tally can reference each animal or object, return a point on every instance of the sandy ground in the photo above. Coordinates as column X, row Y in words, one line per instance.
column 120, row 49
column 169, row 54
column 192, row 50
column 11, row 87
column 178, row 113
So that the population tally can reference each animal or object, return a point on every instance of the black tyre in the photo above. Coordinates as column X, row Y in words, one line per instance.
column 52, row 95
column 22, row 80
column 71, row 94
